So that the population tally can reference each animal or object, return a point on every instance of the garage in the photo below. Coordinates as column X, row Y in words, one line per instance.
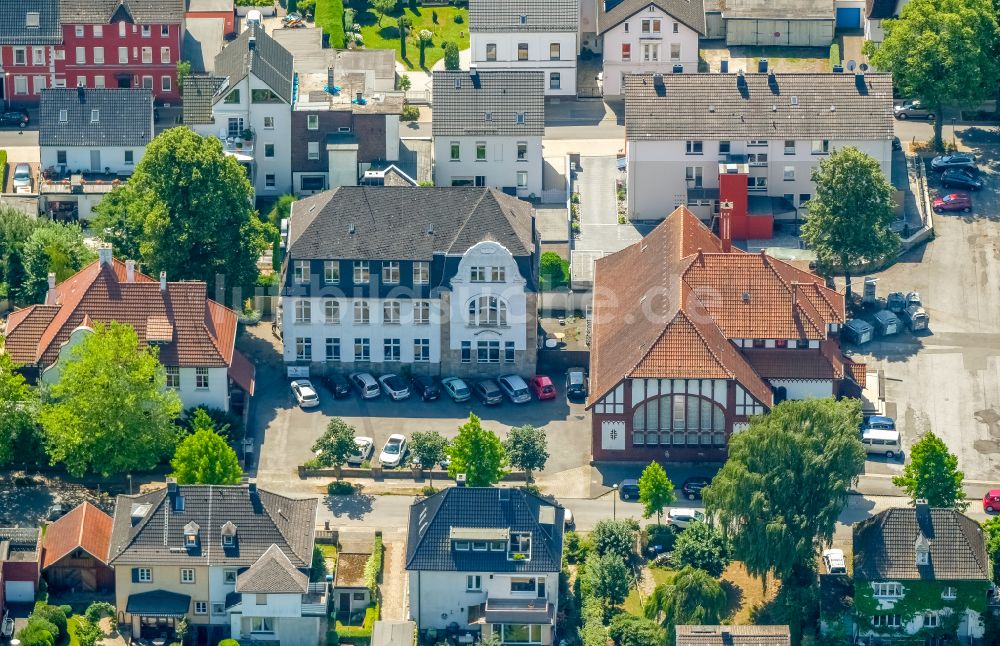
column 789, row 23
column 19, row 591
column 848, row 18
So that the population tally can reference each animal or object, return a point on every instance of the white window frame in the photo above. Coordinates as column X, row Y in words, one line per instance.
column 362, row 313
column 421, row 350
column 187, row 575
column 362, row 272
column 312, row 150
column 165, row 55
column 302, row 270
column 390, row 272
column 421, row 312
column 421, row 272
column 201, row 379
column 331, row 272
column 391, row 312
column 473, row 583
column 312, row 122
column 303, row 311
column 145, row 575
column 391, row 350
column 147, row 55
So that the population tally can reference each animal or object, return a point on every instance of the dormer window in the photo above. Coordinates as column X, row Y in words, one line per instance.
column 228, row 541
column 922, row 549
column 519, row 546
column 461, row 546
column 191, row 534
column 524, row 19
column 228, row 532
column 519, row 117
column 487, row 117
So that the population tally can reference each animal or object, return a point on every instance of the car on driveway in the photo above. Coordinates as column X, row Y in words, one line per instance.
column 628, row 489
column 426, row 387
column 22, row 178
column 961, row 178
column 880, row 422
column 305, row 393
column 682, row 517
column 488, row 392
column 456, row 389
column 394, row 386
column 911, row 110
column 576, row 384
column 692, row 487
column 991, row 501
column 14, row 119
column 338, row 386
column 393, row 451
column 942, row 163
column 834, row 561
column 953, row 202
column 366, row 385
column 515, row 389
column 365, row 448
column 543, row 387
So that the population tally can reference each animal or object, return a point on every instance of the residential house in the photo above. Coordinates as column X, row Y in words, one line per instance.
column 735, row 635
column 488, row 560
column 794, row 23
column 20, row 550
column 195, row 335
column 918, row 569
column 233, row 560
column 459, row 297
column 75, row 551
column 247, row 104
column 648, row 36
column 536, row 35
column 488, row 129
column 207, row 26
column 697, row 336
column 30, row 36
column 875, row 12
column 122, row 44
column 752, row 140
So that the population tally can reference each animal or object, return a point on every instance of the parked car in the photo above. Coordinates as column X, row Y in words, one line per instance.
column 628, row 489
column 955, row 160
column 515, row 389
column 394, row 386
column 568, row 521
column 881, row 422
column 305, row 393
column 366, row 385
column 683, row 516
column 834, row 561
column 365, row 448
column 425, row 387
column 953, row 202
column 338, row 386
column 456, row 389
column 14, row 118
column 22, row 177
column 692, row 487
column 488, row 392
column 991, row 501
column 911, row 110
column 879, row 441
column 393, row 451
column 961, row 178
column 576, row 383
column 543, row 387
column 895, row 302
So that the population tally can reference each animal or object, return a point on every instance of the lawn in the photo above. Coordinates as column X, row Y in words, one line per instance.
column 71, row 626
column 386, row 35
column 745, row 593
column 660, row 575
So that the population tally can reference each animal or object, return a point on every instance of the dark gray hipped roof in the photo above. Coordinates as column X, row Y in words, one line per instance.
column 407, row 223
column 268, row 61
column 461, row 101
column 885, row 547
column 262, row 519
column 272, row 573
column 14, row 29
column 199, row 97
column 428, row 541
column 539, row 16
column 124, row 117
column 840, row 107
column 101, row 12
column 689, row 12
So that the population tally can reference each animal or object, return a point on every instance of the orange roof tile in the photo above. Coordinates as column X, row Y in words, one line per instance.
column 792, row 364
column 243, row 372
column 85, row 527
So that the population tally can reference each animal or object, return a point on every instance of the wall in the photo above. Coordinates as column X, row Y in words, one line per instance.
column 215, row 396
column 433, row 594
column 343, row 164
column 228, row 18
column 805, row 388
column 78, row 157
column 500, row 168
column 35, row 75
column 166, row 577
column 287, row 630
column 278, row 605
column 761, row 31
column 538, row 56
column 615, row 66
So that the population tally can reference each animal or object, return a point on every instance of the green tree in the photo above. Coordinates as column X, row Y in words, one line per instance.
column 204, row 457
column 37, row 633
column 702, row 546
column 335, row 445
column 424, row 37
column 942, row 52
column 403, row 83
column 54, row 615
column 306, row 7
column 553, row 271
column 110, row 412
column 18, row 408
column 15, row 228
column 800, row 446
column 991, row 529
column 606, row 577
column 451, row 60
column 383, row 8
column 629, row 630
column 88, row 632
column 478, row 453
column 616, row 537
column 403, row 25
column 849, row 219
column 527, row 449
column 655, row 491
column 55, row 248
column 187, row 210
column 318, row 570
column 183, row 71
column 693, row 597
column 932, row 474
column 430, row 447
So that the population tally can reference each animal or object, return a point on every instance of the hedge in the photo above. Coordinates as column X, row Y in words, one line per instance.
column 3, row 167
column 834, row 55
column 373, row 568
column 330, row 16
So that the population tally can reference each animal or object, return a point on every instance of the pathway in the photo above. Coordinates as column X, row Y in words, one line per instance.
column 394, row 581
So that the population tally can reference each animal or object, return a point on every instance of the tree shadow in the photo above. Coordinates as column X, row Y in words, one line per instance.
column 389, row 32
column 355, row 506
column 734, row 597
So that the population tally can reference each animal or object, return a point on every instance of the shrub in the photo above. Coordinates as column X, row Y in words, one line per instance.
column 373, row 568
column 459, row 19
column 227, row 424
column 451, row 60
column 662, row 535
column 428, row 491
column 834, row 55
column 3, row 164
column 330, row 16
column 410, row 113
column 703, row 546
column 340, row 488
column 229, row 642
column 36, row 634
column 617, row 536
column 100, row 609
column 577, row 547
column 54, row 615
column 554, row 271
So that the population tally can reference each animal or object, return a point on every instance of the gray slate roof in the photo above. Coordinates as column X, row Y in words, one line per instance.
column 199, row 97
column 461, row 110
column 504, row 16
column 125, row 117
column 100, row 12
column 428, row 543
column 884, row 547
column 262, row 519
column 272, row 573
column 737, row 635
column 688, row 12
column 407, row 223
column 839, row 107
column 269, row 62
column 15, row 31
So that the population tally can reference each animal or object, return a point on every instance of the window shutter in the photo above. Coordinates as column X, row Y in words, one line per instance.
column 135, row 575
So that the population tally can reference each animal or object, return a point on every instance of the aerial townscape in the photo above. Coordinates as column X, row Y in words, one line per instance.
column 500, row 322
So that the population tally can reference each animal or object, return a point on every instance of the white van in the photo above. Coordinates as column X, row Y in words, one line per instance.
column 881, row 442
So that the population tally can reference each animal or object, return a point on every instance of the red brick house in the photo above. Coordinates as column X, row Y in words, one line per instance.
column 123, row 44
column 30, row 39
column 75, row 551
column 692, row 337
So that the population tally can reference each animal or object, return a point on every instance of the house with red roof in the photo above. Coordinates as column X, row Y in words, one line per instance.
column 195, row 335
column 75, row 551
column 692, row 337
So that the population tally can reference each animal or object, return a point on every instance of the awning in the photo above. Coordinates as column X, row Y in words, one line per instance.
column 158, row 603
column 518, row 611
column 243, row 372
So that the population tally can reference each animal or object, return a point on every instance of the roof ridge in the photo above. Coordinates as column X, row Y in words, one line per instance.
column 468, row 217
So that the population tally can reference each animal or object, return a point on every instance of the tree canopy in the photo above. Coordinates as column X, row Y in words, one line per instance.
column 335, row 445
column 629, row 630
column 693, row 597
column 703, row 546
column 111, row 411
column 204, row 457
column 655, row 491
column 478, row 453
column 849, row 218
column 18, row 407
column 615, row 536
column 932, row 474
column 606, row 577
column 527, row 449
column 759, row 496
column 430, row 447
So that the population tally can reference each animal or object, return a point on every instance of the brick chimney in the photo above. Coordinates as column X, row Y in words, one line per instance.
column 725, row 226
column 50, row 296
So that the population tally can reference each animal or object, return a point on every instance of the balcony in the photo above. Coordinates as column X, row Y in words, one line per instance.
column 242, row 150
column 315, row 600
column 518, row 611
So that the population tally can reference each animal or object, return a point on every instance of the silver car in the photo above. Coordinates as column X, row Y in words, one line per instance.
column 911, row 110
column 515, row 389
column 22, row 177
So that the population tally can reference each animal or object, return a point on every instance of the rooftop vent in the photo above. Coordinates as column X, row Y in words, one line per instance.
column 350, row 228
column 746, row 297
column 833, row 108
column 31, row 19
column 711, row 108
column 503, row 493
column 252, row 43
column 795, row 100
column 139, row 511
column 774, row 108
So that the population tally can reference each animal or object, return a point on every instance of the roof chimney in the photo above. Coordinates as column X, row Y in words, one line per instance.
column 252, row 43
column 50, row 296
column 104, row 254
column 725, row 226
column 473, row 70
column 130, row 271
column 252, row 486
column 163, row 281
column 923, row 510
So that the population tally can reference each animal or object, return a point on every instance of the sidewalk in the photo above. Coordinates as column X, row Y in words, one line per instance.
column 394, row 580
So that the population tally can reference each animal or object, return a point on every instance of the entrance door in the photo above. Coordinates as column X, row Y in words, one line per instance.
column 95, row 161
column 345, row 602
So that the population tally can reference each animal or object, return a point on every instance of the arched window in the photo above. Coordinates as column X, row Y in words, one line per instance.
column 679, row 420
column 488, row 311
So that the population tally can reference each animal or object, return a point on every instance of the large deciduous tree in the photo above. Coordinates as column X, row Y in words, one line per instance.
column 942, row 52
column 655, row 491
column 693, row 597
column 478, row 453
column 615, row 536
column 204, row 457
column 110, row 411
column 430, row 447
column 932, row 474
column 52, row 248
column 703, row 546
column 786, row 481
column 527, row 449
column 18, row 407
column 335, row 445
column 606, row 577
column 849, row 219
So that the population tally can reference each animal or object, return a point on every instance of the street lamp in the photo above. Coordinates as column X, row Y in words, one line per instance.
column 129, row 476
column 614, row 501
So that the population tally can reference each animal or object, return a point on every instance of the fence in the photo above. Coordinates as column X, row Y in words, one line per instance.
column 422, row 97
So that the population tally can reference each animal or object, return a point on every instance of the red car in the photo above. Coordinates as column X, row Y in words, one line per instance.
column 953, row 202
column 542, row 387
column 991, row 501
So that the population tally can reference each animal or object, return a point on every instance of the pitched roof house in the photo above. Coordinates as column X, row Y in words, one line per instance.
column 75, row 551
column 709, row 335
column 732, row 636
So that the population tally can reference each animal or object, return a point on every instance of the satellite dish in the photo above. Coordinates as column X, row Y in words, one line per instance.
column 863, row 67
column 851, row 64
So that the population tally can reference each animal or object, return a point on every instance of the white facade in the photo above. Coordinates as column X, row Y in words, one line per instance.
column 658, row 171
column 92, row 159
column 873, row 28
column 649, row 41
column 501, row 162
column 551, row 52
